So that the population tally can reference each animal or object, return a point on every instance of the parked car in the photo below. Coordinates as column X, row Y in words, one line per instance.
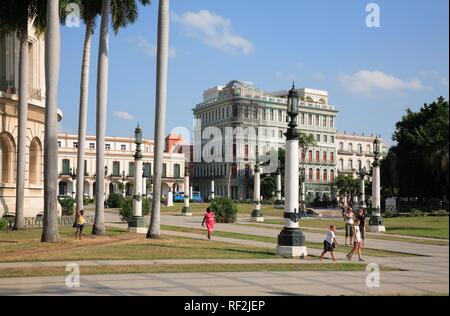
column 197, row 197
column 178, row 196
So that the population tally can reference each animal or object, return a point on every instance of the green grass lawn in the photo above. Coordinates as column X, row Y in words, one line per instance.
column 314, row 245
column 25, row 245
column 179, row 268
column 428, row 226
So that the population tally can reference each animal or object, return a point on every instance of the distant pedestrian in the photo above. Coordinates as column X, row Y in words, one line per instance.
column 349, row 218
column 80, row 222
column 356, row 243
column 208, row 219
column 330, row 243
column 362, row 217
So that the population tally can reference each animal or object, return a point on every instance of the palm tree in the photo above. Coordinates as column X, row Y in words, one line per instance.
column 160, row 116
column 52, row 61
column 90, row 9
column 122, row 13
column 14, row 17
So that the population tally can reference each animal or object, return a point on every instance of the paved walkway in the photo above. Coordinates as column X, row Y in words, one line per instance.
column 426, row 274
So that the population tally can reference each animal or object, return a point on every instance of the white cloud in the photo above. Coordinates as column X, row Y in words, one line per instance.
column 318, row 75
column 435, row 77
column 367, row 82
column 146, row 47
column 124, row 115
column 213, row 30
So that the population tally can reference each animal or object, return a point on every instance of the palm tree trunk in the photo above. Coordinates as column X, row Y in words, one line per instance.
column 52, row 60
column 22, row 130
column 82, row 118
column 102, row 95
column 160, row 117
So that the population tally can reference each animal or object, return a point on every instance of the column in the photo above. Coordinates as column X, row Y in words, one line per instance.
column 190, row 191
column 136, row 224
column 186, row 210
column 363, row 193
column 257, row 215
column 278, row 201
column 376, row 221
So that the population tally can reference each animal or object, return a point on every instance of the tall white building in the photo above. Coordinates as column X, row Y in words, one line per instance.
column 240, row 105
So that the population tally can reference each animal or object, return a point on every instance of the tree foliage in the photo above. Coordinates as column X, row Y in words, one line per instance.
column 418, row 165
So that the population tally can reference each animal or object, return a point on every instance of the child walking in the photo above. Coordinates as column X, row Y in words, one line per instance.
column 330, row 243
column 356, row 242
column 80, row 221
column 208, row 219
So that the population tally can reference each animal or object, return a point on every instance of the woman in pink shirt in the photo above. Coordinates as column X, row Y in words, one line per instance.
column 208, row 219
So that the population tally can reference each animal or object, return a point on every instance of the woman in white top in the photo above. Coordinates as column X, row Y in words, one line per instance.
column 357, row 242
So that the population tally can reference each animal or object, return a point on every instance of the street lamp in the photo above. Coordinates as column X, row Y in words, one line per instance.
column 291, row 241
column 185, row 211
column 212, row 186
column 302, row 192
column 362, row 173
column 72, row 174
column 376, row 221
column 123, row 182
column 136, row 224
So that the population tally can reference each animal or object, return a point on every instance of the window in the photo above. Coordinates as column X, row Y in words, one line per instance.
column 164, row 171
column 310, row 156
column 131, row 169
column 332, row 157
column 59, row 143
column 303, row 119
column 341, row 164
column 147, row 169
column 317, row 156
column 309, row 119
column 332, row 139
column 318, row 137
column 360, row 148
column 359, row 164
column 91, row 145
column 325, row 138
column 303, row 155
column 350, row 147
column 263, row 114
column 280, row 116
column 272, row 115
column 324, row 157
column 324, row 122
column 35, row 161
column 325, row 175
column 331, row 122
column 176, row 170
column 318, row 174
column 280, row 134
column 317, row 120
column 310, row 174
column 123, row 147
column 75, row 144
column 341, row 146
column 350, row 164
column 65, row 166
column 85, row 168
column 368, row 150
column 107, row 146
column 332, row 176
column 116, row 168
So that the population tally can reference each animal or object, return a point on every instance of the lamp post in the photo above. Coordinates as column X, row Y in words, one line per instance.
column 278, row 201
column 362, row 175
column 106, row 188
column 186, row 210
column 302, row 193
column 212, row 186
column 144, row 184
column 136, row 224
column 73, row 175
column 376, row 221
column 123, row 183
column 257, row 215
column 291, row 241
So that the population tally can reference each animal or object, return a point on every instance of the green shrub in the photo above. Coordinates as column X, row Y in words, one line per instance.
column 126, row 211
column 439, row 213
column 415, row 212
column 225, row 210
column 390, row 214
column 115, row 200
column 86, row 200
column 146, row 206
column 67, row 205
column 3, row 224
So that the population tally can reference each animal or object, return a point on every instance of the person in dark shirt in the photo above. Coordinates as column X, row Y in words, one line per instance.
column 362, row 217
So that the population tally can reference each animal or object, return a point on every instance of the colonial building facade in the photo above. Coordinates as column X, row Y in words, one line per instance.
column 9, row 87
column 355, row 152
column 256, row 115
column 119, row 165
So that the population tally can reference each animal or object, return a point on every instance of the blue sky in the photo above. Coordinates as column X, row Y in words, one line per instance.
column 372, row 74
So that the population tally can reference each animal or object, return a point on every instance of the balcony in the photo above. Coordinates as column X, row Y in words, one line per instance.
column 346, row 152
column 347, row 170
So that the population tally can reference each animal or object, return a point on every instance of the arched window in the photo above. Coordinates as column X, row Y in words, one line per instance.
column 310, row 174
column 341, row 146
column 350, row 164
column 359, row 165
column 317, row 174
column 332, row 176
column 7, row 150
column 310, row 156
column 368, row 150
column 325, row 175
column 332, row 157
column 360, row 148
column 350, row 147
column 317, row 156
column 35, row 163
column 303, row 155
column 324, row 157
